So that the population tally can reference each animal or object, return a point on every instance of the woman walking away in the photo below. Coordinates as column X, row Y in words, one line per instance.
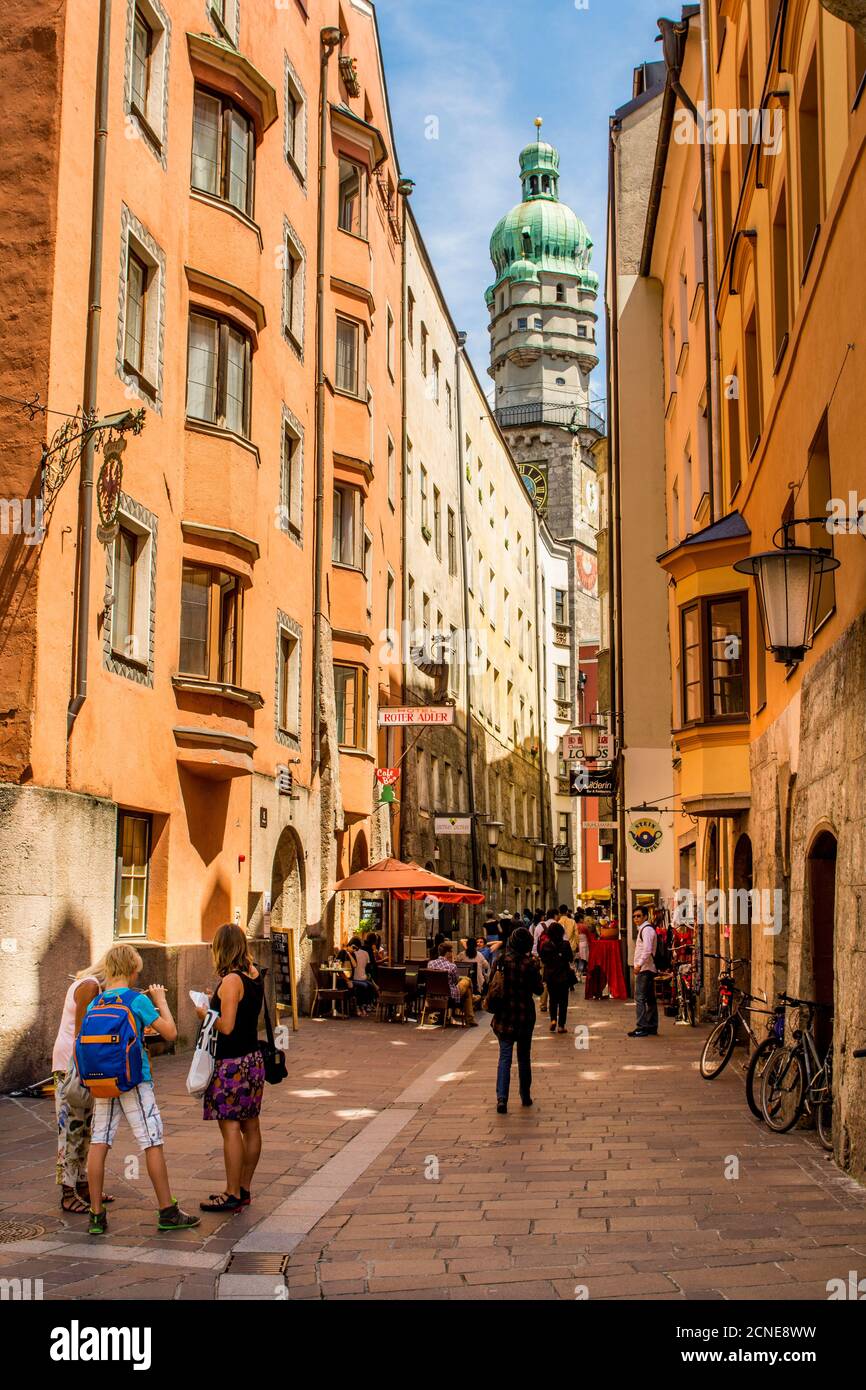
column 234, row 1095
column 556, row 958
column 73, row 1103
column 510, row 1000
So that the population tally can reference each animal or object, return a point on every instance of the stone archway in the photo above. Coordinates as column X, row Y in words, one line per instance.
column 821, row 898
column 287, row 903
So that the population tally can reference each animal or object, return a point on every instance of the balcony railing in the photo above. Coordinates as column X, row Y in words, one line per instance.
column 538, row 413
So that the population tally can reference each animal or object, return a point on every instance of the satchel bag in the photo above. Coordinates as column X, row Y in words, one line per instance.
column 495, row 996
column 274, row 1058
column 201, row 1068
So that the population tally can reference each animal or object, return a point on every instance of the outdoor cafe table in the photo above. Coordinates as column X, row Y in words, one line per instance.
column 605, row 967
column 333, row 970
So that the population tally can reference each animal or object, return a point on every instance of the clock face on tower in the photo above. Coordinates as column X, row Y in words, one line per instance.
column 535, row 482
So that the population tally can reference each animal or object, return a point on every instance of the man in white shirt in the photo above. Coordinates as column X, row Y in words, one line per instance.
column 644, row 967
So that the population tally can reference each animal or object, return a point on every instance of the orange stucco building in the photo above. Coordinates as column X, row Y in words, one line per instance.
column 190, row 691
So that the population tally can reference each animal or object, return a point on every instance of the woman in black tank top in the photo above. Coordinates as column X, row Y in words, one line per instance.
column 234, row 1095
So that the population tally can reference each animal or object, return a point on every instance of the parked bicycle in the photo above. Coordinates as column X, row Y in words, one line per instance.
column 797, row 1080
column 734, row 1005
column 761, row 1056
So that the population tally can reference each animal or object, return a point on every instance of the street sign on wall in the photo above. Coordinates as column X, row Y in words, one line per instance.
column 584, row 781
column 572, row 745
column 452, row 825
column 416, row 714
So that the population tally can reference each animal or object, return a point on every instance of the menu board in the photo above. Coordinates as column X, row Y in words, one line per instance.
column 371, row 915
column 282, row 968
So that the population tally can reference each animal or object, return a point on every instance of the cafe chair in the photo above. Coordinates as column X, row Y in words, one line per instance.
column 437, row 998
column 391, row 1002
column 326, row 993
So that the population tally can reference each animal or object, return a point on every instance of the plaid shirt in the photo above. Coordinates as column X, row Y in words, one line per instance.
column 521, row 980
column 442, row 963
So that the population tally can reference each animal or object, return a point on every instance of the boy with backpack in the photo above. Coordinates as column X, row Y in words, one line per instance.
column 113, row 1063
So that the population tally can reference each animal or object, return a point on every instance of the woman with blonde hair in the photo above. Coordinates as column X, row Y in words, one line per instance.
column 73, row 1103
column 234, row 1095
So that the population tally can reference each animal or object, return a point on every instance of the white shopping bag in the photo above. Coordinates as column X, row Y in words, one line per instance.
column 202, row 1064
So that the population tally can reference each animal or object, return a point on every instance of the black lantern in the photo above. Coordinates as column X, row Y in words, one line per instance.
column 788, row 587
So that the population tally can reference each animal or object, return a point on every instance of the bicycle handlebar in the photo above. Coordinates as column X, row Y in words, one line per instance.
column 805, row 1003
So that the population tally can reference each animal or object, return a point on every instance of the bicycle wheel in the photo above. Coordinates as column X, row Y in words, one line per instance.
column 824, row 1123
column 782, row 1088
column 755, row 1075
column 718, row 1048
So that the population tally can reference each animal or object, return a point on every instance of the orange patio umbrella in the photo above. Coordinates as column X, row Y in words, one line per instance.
column 407, row 880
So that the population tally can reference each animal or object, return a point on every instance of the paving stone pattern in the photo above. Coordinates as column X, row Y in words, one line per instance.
column 387, row 1174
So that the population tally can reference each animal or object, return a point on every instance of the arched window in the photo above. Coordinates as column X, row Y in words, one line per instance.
column 533, row 183
column 560, row 294
column 545, row 183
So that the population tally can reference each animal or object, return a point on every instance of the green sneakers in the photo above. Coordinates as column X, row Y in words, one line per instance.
column 98, row 1223
column 173, row 1218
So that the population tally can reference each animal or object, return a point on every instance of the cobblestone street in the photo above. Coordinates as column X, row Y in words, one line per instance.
column 387, row 1174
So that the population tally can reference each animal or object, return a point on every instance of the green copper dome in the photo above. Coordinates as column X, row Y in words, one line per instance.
column 541, row 230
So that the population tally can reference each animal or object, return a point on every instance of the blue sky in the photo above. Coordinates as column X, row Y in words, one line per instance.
column 484, row 69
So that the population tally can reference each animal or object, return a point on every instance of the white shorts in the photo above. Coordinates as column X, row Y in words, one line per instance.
column 141, row 1110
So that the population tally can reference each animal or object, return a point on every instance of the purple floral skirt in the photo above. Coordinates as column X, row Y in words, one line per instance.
column 235, row 1090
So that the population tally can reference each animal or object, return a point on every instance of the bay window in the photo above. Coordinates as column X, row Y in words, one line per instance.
column 713, row 662
column 219, row 373
column 210, row 625
column 347, row 537
column 350, row 373
column 223, row 150
column 351, row 695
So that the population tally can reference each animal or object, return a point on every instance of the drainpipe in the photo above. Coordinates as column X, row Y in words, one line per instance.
column 674, row 36
column 461, row 479
column 615, row 555
column 330, row 38
column 91, row 366
column 404, row 437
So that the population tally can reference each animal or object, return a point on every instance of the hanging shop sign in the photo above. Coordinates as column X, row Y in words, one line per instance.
column 644, row 835
column 562, row 856
column 572, row 745
column 387, row 776
column 416, row 714
column 584, row 781
column 452, row 825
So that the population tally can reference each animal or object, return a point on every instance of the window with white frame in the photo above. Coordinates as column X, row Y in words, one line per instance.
column 291, row 476
column 410, row 480
column 141, row 320
column 425, row 511
column 389, row 339
column 227, row 18
column 146, row 87
column 392, row 472
column 560, row 607
column 352, row 198
column 293, row 286
column 288, row 681
column 295, row 127
column 562, row 685
column 131, row 610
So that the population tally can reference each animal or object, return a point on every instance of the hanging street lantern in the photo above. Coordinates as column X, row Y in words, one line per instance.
column 788, row 589
column 493, row 828
column 591, row 733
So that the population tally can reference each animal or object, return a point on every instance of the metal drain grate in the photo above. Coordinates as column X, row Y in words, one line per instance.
column 250, row 1262
column 16, row 1230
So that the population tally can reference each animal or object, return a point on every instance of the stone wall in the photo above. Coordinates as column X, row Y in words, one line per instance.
column 809, row 773
column 56, row 914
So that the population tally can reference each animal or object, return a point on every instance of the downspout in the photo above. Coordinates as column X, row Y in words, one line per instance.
column 542, row 722
column 330, row 37
column 404, row 440
column 674, row 36
column 615, row 553
column 91, row 365
column 714, row 420
column 461, row 477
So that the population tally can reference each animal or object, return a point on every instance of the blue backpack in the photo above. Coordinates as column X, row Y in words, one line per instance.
column 108, row 1049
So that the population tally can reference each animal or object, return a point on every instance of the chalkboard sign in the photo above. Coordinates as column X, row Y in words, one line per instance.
column 371, row 915
column 282, row 968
